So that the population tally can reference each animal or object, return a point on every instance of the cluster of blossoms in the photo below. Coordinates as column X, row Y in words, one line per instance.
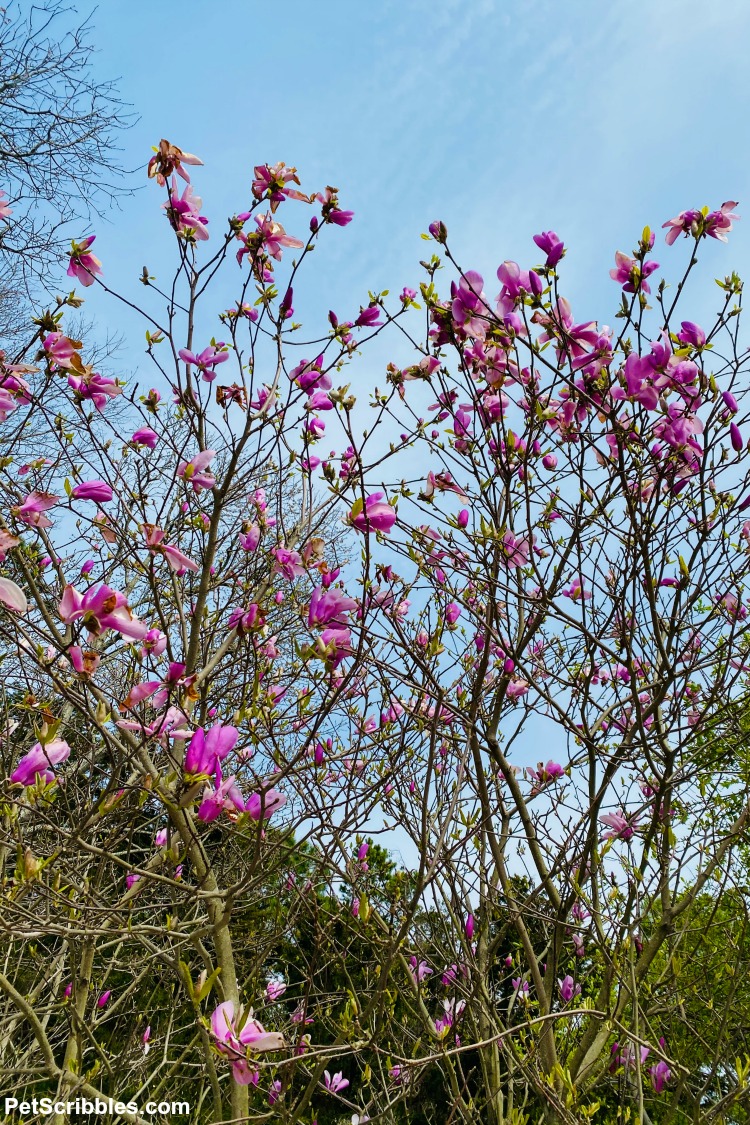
column 611, row 401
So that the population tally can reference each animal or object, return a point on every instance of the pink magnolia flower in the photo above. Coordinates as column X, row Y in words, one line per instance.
column 469, row 306
column 543, row 775
column 176, row 559
column 12, row 596
column 103, row 999
column 517, row 688
column 275, row 989
column 207, row 360
column 623, row 827
column 264, row 804
column 331, row 212
column 691, row 334
column 271, row 182
column 100, row 608
column 328, row 605
column 660, row 1075
column 85, row 663
column 719, row 223
column 452, row 614
column 209, row 747
column 550, row 244
column 632, row 274
column 146, row 437
column 91, row 386
column 469, row 926
column 169, row 158
column 441, row 482
column 715, row 224
column 38, row 762
column 96, row 490
column 418, row 970
column 33, row 507
column 250, row 538
column 5, row 210
column 193, row 471
column 336, row 1082
column 223, row 798
column 183, row 212
column 515, row 551
column 270, row 238
column 288, row 563
column 154, row 642
column 59, row 349
column 377, row 514
column 576, row 591
column 236, row 1036
column 84, row 265
column 7, row 543
column 568, row 989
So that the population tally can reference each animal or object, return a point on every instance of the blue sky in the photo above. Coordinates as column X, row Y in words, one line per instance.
column 501, row 117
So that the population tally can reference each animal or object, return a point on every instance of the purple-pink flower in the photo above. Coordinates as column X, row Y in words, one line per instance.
column 194, row 470
column 631, row 273
column 38, row 762
column 84, row 266
column 550, row 244
column 568, row 989
column 377, row 514
column 96, row 490
column 334, row 1083
column 100, row 608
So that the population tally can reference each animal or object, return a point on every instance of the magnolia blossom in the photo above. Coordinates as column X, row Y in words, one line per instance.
column 209, row 747
column 183, row 212
column 418, row 970
column 328, row 605
column 264, row 804
column 168, row 159
column 622, row 827
column 552, row 245
column 207, row 360
column 376, row 514
column 176, row 559
column 225, row 797
column 193, row 471
column 568, row 989
column 96, row 490
column 31, row 510
column 85, row 663
column 94, row 387
column 660, row 1074
column 336, row 1082
column 715, row 224
column 12, row 596
column 235, row 1037
column 39, row 760
column 632, row 274
column 145, row 436
column 100, row 608
column 84, row 266
column 275, row 989
column 543, row 775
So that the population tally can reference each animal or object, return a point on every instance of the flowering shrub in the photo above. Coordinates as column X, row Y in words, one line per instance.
column 241, row 643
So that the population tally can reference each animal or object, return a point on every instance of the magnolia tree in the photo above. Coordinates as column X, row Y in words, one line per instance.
column 248, row 646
